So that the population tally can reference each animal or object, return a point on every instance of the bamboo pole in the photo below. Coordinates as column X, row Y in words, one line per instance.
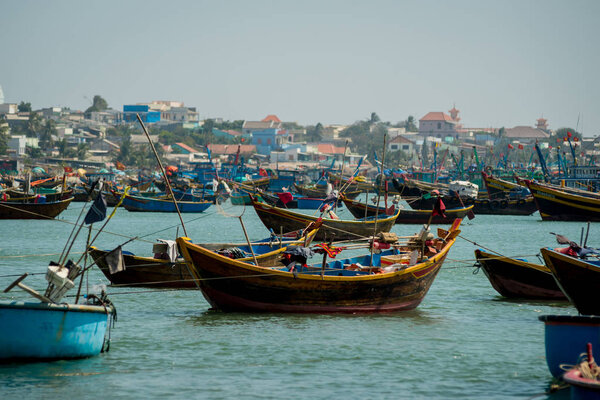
column 162, row 170
column 248, row 241
column 378, row 200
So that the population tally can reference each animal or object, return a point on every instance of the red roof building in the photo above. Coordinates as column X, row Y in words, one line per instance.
column 437, row 124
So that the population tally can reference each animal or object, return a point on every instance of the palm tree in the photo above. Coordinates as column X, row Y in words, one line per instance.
column 34, row 124
column 82, row 149
column 48, row 130
column 410, row 124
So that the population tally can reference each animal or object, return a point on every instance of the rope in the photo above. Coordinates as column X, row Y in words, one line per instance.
column 36, row 255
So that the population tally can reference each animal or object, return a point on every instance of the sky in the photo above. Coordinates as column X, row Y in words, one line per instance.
column 502, row 63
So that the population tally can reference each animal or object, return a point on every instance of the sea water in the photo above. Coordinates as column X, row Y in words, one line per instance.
column 464, row 341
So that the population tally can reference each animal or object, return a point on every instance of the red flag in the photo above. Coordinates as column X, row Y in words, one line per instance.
column 550, row 147
column 439, row 208
column 285, row 197
column 520, row 147
column 262, row 172
column 510, row 146
column 558, row 140
column 564, row 139
column 68, row 169
column 569, row 134
column 120, row 166
column 576, row 139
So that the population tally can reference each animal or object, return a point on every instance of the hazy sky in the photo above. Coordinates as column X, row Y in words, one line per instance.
column 503, row 63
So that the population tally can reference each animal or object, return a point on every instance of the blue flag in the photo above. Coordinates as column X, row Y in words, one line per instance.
column 98, row 210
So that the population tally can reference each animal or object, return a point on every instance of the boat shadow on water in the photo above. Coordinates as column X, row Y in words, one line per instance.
column 214, row 317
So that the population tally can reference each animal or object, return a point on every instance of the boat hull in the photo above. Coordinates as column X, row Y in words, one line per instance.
column 10, row 210
column 51, row 331
column 558, row 205
column 566, row 337
column 578, row 279
column 526, row 206
column 517, row 278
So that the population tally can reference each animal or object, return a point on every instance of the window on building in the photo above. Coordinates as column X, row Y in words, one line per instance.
column 394, row 147
column 269, row 141
column 439, row 125
column 259, row 141
column 405, row 147
column 291, row 157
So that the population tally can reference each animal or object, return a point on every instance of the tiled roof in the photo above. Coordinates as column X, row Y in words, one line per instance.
column 328, row 148
column 260, row 125
column 271, row 117
column 231, row 148
column 437, row 116
column 525, row 132
column 401, row 139
column 186, row 147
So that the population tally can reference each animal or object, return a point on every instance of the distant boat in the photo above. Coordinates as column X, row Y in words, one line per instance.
column 517, row 278
column 386, row 282
column 277, row 219
column 359, row 209
column 148, row 204
column 579, row 279
column 42, row 210
column 164, row 273
column 320, row 191
column 565, row 204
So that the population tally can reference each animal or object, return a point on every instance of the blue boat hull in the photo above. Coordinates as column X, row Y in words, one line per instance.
column 51, row 331
column 566, row 338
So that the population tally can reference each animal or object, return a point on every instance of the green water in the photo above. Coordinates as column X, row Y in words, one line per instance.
column 463, row 341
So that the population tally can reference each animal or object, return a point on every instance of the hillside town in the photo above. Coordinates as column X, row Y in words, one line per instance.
column 101, row 136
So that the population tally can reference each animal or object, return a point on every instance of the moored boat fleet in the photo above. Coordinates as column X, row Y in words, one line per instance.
column 360, row 266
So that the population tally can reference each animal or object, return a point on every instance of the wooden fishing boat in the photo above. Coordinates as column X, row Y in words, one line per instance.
column 517, row 278
column 18, row 210
column 148, row 204
column 579, row 279
column 19, row 196
column 505, row 206
column 560, row 204
column 388, row 282
column 566, row 337
column 160, row 272
column 281, row 219
column 499, row 188
column 320, row 191
column 359, row 209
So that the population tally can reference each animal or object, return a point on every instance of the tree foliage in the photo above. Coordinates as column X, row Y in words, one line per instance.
column 366, row 136
column 98, row 104
column 47, row 131
column 34, row 125
column 314, row 133
column 24, row 107
column 410, row 124
column 4, row 136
